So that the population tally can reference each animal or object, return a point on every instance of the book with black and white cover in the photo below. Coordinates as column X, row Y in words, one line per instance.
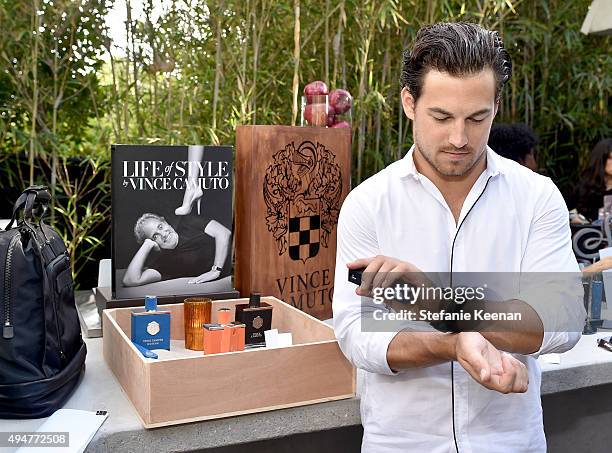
column 172, row 220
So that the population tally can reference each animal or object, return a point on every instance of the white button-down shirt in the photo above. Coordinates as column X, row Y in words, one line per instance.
column 513, row 220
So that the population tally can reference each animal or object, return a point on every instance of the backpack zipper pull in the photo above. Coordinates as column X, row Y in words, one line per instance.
column 7, row 331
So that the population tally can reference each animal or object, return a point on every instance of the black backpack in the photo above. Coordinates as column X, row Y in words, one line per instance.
column 42, row 354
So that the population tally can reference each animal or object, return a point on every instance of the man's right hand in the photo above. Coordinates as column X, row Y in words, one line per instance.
column 488, row 366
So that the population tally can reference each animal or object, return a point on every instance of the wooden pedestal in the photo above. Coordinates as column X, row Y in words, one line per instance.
column 290, row 184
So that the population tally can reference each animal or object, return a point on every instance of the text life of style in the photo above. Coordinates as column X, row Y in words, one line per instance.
column 178, row 175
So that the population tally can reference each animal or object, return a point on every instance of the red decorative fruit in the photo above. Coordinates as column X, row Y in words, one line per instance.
column 341, row 124
column 331, row 116
column 316, row 87
column 341, row 100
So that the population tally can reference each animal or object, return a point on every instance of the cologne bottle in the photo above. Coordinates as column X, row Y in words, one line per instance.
column 224, row 316
column 213, row 337
column 257, row 318
column 237, row 336
column 151, row 328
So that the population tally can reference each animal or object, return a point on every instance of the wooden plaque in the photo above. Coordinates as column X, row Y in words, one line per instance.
column 290, row 184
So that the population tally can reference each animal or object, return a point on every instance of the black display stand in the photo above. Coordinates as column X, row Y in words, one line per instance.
column 104, row 299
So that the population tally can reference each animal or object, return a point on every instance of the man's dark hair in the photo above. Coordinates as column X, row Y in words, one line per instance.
column 459, row 49
column 513, row 141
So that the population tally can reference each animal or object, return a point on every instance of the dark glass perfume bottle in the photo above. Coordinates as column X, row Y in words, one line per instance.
column 257, row 318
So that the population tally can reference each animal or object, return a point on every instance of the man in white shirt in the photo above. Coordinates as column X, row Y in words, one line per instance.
column 453, row 205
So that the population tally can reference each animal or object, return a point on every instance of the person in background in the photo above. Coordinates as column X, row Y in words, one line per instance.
column 595, row 181
column 515, row 141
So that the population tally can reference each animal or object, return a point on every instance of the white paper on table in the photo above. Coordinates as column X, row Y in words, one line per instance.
column 81, row 426
column 271, row 337
column 274, row 339
column 285, row 339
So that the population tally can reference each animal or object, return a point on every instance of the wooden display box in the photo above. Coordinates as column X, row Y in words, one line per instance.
column 187, row 389
column 290, row 185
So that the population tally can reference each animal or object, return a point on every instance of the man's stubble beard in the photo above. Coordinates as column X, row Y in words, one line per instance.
column 459, row 170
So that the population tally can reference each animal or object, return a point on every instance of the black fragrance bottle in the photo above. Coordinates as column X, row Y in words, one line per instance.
column 257, row 318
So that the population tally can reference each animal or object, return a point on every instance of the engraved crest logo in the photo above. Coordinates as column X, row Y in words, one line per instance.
column 153, row 328
column 257, row 322
column 302, row 190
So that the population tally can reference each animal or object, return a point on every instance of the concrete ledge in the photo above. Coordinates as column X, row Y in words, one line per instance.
column 233, row 431
column 583, row 367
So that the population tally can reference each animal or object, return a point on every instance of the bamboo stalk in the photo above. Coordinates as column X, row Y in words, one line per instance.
column 545, row 75
column 259, row 22
column 377, row 122
column 34, row 107
column 182, row 108
column 126, row 110
column 218, row 62
column 343, row 61
column 115, row 110
column 56, row 97
column 533, row 88
column 255, row 44
column 337, row 43
column 390, row 103
column 139, row 118
column 399, row 130
column 169, row 115
column 296, row 60
column 363, row 65
column 243, row 72
column 326, row 41
column 152, row 73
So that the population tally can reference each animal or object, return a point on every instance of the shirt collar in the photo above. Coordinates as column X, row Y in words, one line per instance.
column 495, row 165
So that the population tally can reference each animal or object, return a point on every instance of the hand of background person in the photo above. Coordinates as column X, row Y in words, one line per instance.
column 493, row 369
column 205, row 277
column 576, row 218
column 599, row 266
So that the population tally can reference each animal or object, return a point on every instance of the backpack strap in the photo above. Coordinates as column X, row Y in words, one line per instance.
column 33, row 198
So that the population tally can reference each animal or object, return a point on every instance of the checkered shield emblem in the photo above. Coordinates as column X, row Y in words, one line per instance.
column 304, row 232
